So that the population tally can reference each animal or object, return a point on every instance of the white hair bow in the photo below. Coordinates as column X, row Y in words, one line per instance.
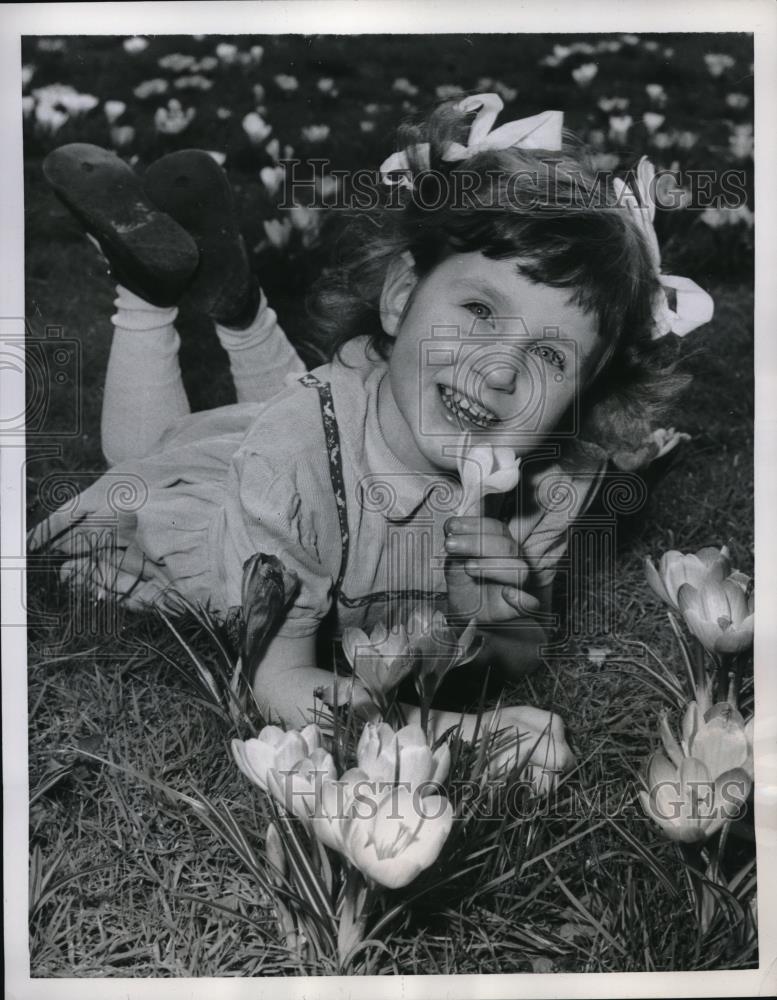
column 542, row 131
column 693, row 306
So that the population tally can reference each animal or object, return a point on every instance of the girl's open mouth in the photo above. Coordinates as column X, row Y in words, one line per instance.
column 465, row 409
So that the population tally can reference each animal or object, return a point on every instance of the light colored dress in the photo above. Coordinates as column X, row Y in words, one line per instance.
column 307, row 476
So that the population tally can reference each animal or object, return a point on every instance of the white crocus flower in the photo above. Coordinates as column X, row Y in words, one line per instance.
column 584, row 74
column 297, row 787
column 717, row 218
column 65, row 98
column 114, row 110
column 610, row 104
column 122, row 135
column 50, row 118
column 619, row 127
column 387, row 756
column 205, row 65
column 256, row 128
column 485, row 469
column 402, row 837
column 718, row 63
column 741, row 141
column 307, row 222
column 315, row 133
column 278, row 233
column 686, row 139
column 226, row 53
column 272, row 177
column 151, row 88
column 276, row 749
column 135, row 45
column 737, row 101
column 657, row 444
column 653, row 121
column 193, row 82
column 287, row 83
column 676, row 568
column 403, row 86
column 176, row 62
column 656, row 93
column 382, row 660
column 173, row 119
column 695, row 785
column 662, row 140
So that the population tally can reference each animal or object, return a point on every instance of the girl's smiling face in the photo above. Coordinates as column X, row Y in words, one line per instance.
column 479, row 349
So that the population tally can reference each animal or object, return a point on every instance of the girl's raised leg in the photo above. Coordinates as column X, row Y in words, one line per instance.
column 144, row 394
column 261, row 357
column 193, row 190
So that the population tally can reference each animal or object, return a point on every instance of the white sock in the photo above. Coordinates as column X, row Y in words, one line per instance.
column 144, row 394
column 260, row 357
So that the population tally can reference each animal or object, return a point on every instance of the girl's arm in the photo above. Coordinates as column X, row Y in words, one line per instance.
column 515, row 649
column 286, row 682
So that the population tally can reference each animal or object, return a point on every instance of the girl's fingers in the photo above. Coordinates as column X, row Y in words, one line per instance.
column 497, row 609
column 511, row 572
column 487, row 546
column 475, row 526
column 498, row 604
column 521, row 601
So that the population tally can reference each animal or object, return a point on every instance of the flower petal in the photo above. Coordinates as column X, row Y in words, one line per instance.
column 656, row 583
column 690, row 725
column 442, row 763
column 411, row 736
column 721, row 745
column 708, row 633
column 404, row 837
column 672, row 747
column 311, row 736
column 736, row 639
column 731, row 791
column 353, row 639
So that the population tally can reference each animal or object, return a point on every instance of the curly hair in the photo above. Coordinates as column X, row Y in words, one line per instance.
column 556, row 217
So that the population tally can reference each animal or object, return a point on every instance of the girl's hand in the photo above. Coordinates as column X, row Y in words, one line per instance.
column 485, row 573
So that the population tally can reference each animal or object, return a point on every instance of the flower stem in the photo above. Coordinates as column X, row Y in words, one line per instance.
column 353, row 918
column 724, row 662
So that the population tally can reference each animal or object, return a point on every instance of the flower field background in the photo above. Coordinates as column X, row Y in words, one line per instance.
column 125, row 881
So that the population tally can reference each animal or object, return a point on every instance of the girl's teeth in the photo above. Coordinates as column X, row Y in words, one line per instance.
column 462, row 406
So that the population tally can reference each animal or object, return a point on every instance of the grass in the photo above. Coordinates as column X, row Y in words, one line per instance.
column 126, row 881
column 134, row 885
column 131, row 878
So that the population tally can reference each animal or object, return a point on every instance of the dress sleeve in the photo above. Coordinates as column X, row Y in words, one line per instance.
column 280, row 506
column 558, row 497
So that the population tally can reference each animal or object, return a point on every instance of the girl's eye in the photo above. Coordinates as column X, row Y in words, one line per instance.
column 479, row 310
column 551, row 355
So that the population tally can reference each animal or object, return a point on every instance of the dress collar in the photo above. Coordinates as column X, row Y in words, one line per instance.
column 394, row 489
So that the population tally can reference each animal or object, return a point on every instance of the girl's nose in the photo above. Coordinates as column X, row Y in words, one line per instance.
column 501, row 378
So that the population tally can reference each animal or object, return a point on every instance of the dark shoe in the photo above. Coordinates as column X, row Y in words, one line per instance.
column 192, row 188
column 147, row 251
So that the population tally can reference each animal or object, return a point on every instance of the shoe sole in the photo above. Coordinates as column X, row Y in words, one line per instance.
column 193, row 189
column 147, row 250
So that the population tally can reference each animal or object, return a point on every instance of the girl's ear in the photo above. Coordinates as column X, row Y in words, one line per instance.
column 398, row 285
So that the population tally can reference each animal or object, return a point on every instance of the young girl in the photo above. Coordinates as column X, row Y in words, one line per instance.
column 499, row 295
